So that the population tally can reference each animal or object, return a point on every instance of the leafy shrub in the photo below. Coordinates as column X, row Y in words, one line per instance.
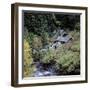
column 27, row 60
column 36, row 43
column 47, row 56
column 69, row 56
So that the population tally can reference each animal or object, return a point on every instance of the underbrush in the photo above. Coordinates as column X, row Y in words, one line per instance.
column 66, row 57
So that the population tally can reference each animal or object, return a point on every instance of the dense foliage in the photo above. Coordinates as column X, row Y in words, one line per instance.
column 27, row 59
column 39, row 32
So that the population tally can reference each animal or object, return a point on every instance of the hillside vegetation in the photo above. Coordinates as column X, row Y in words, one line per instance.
column 40, row 30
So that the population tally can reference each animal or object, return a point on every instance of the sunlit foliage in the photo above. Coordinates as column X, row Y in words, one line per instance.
column 27, row 59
